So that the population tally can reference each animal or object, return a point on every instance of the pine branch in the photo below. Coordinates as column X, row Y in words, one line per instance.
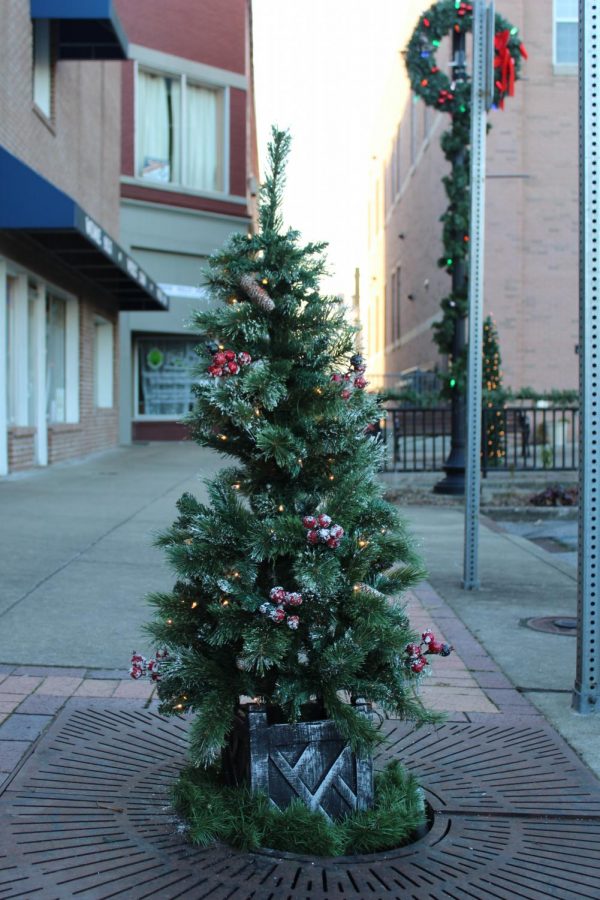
column 271, row 192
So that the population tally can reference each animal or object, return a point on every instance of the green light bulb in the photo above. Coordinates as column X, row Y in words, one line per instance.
column 453, row 382
column 514, row 30
column 449, row 262
column 436, row 43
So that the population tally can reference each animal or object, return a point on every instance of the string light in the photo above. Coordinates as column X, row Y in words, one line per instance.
column 222, row 437
column 194, row 604
column 281, row 507
column 236, row 486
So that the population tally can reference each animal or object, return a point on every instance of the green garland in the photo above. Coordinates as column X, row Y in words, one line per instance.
column 436, row 89
column 248, row 821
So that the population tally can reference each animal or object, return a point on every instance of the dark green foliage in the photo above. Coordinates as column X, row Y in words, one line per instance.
column 431, row 83
column 494, row 397
column 247, row 821
column 299, row 449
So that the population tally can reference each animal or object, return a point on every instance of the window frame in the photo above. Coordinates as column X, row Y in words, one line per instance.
column 222, row 92
column 560, row 65
column 71, row 401
column 36, row 25
column 155, row 338
column 104, row 363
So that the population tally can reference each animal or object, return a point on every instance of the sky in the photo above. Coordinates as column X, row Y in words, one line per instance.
column 319, row 70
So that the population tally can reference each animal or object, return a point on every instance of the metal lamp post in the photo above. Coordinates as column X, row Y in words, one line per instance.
column 454, row 467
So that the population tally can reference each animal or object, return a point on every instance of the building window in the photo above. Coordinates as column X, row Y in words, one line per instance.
column 396, row 295
column 103, row 363
column 42, row 66
column 56, row 359
column 11, row 350
column 413, row 129
column 165, row 377
column 393, row 307
column 179, row 132
column 566, row 32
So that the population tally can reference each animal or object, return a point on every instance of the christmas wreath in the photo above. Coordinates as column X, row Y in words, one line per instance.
column 430, row 83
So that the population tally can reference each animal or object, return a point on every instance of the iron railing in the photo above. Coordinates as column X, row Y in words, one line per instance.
column 418, row 439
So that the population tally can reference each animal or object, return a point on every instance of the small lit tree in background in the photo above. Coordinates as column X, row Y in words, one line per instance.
column 494, row 396
column 289, row 576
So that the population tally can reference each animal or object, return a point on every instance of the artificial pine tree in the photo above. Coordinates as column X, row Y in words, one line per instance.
column 289, row 577
column 494, row 396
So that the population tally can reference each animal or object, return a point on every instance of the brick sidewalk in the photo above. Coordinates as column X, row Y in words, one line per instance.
column 466, row 685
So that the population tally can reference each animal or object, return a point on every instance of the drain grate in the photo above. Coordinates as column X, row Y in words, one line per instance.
column 516, row 816
column 565, row 625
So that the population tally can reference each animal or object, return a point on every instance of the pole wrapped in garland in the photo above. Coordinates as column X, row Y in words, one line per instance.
column 453, row 95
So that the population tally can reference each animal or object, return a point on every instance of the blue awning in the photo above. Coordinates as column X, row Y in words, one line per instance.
column 49, row 219
column 86, row 29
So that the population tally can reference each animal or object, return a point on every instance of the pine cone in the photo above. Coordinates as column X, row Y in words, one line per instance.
column 256, row 293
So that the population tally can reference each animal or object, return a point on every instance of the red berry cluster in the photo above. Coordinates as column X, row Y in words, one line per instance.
column 444, row 97
column 417, row 653
column 463, row 9
column 321, row 530
column 353, row 378
column 141, row 666
column 227, row 362
column 276, row 612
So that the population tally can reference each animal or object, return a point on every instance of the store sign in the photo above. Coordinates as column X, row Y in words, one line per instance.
column 117, row 255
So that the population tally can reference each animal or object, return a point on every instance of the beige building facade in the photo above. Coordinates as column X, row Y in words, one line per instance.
column 531, row 241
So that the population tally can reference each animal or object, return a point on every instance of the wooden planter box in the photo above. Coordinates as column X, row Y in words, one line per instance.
column 306, row 760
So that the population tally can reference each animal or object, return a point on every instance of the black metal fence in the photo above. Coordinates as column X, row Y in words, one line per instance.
column 418, row 439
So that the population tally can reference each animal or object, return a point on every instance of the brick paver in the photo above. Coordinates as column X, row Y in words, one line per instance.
column 11, row 753
column 96, row 687
column 19, row 684
column 59, row 686
column 19, row 727
column 134, row 689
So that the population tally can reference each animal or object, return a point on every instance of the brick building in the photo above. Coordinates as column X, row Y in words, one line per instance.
column 531, row 285
column 188, row 179
column 63, row 277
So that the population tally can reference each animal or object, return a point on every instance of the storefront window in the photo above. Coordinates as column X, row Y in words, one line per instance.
column 56, row 335
column 11, row 351
column 165, row 376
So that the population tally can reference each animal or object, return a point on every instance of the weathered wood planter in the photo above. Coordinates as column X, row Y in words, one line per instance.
column 308, row 760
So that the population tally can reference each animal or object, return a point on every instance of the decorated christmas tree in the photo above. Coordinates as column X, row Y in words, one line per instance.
column 494, row 395
column 290, row 576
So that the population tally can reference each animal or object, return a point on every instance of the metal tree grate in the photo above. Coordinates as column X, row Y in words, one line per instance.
column 516, row 816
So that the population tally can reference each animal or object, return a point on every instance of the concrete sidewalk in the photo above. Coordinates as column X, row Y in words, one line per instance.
column 77, row 561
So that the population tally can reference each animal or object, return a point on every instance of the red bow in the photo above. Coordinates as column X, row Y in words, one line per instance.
column 506, row 64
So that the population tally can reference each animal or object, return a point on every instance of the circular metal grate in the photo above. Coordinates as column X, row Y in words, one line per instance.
column 516, row 815
column 564, row 625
